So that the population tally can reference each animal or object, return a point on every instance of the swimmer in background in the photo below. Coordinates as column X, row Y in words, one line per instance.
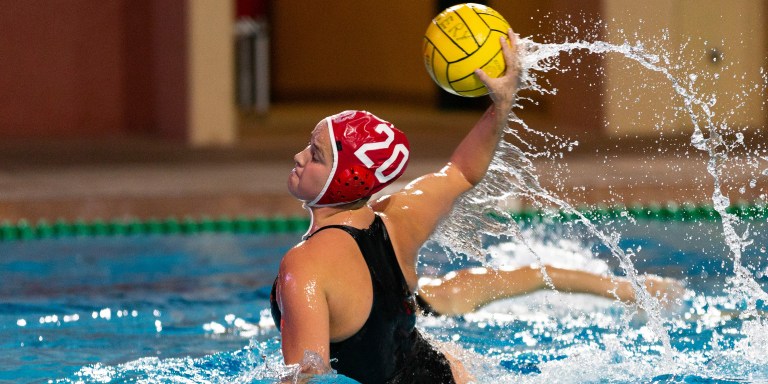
column 344, row 296
column 467, row 290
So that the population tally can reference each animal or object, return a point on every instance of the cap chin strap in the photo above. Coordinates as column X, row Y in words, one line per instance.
column 315, row 205
column 335, row 157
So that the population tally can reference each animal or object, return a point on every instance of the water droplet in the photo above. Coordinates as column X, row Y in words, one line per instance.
column 698, row 140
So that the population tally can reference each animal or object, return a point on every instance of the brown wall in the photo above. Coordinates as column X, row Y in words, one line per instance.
column 348, row 49
column 60, row 72
column 91, row 68
column 155, row 78
column 577, row 107
column 155, row 67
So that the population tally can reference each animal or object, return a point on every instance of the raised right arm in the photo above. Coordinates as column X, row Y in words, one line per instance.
column 418, row 208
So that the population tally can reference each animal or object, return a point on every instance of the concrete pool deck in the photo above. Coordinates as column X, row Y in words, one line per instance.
column 140, row 178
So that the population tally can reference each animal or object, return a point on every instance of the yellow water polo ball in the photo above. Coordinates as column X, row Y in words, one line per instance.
column 461, row 39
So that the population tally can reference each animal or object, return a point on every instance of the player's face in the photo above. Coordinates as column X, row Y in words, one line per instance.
column 312, row 166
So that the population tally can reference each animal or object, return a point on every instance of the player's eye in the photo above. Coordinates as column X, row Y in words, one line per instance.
column 315, row 154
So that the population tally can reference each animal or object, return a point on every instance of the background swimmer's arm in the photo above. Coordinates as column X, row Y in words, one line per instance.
column 467, row 290
column 305, row 320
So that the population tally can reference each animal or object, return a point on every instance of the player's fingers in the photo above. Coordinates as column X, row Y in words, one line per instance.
column 509, row 48
column 482, row 76
column 512, row 37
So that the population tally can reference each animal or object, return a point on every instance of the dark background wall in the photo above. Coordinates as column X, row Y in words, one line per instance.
column 372, row 49
column 92, row 68
column 73, row 68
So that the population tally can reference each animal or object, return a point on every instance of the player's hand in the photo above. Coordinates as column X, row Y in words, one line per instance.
column 502, row 89
column 668, row 290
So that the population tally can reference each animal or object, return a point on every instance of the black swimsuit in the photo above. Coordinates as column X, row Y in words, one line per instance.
column 388, row 348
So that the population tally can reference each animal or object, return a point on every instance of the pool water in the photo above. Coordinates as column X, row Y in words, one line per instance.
column 158, row 309
column 70, row 303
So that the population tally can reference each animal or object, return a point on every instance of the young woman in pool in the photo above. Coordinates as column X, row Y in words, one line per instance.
column 343, row 297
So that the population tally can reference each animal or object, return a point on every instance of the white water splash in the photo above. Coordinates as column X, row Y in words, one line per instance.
column 765, row 171
column 512, row 175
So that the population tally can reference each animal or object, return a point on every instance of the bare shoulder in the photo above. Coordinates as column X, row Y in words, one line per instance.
column 318, row 258
column 301, row 272
column 312, row 255
column 416, row 209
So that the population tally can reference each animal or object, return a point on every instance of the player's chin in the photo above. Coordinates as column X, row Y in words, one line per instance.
column 296, row 191
column 292, row 184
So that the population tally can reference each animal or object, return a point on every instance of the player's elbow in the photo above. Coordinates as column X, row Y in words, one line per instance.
column 472, row 176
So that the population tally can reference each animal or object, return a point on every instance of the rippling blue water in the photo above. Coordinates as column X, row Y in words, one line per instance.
column 193, row 309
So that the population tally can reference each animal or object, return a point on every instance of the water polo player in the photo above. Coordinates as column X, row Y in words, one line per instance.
column 343, row 297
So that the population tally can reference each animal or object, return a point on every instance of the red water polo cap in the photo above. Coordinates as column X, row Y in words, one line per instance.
column 368, row 154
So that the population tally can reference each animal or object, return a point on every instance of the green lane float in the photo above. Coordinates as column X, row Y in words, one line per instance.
column 24, row 230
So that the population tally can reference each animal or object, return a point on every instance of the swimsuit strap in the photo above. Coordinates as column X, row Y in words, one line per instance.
column 346, row 228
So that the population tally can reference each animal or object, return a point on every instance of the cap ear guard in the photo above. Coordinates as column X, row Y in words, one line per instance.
column 352, row 184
